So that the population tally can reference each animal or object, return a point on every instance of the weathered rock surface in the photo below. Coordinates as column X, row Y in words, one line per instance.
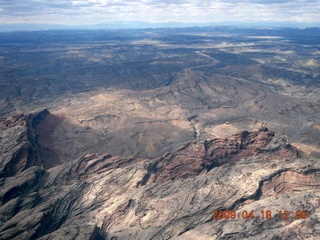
column 26, row 142
column 98, row 196
column 14, row 145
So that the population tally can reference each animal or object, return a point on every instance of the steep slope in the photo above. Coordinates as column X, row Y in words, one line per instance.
column 173, row 196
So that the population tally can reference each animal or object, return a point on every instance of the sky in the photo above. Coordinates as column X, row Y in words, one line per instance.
column 87, row 12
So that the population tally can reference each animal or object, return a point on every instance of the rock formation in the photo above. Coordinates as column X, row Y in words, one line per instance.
column 174, row 196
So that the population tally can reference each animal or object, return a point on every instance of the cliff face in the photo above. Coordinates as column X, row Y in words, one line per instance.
column 14, row 145
column 39, row 127
column 25, row 141
column 98, row 196
column 194, row 158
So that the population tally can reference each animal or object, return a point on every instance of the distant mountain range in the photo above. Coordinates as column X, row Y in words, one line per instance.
column 131, row 25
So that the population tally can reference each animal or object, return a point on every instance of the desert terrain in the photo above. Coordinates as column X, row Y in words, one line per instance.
column 142, row 134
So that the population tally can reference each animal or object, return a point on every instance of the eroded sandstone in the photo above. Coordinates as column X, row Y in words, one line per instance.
column 99, row 196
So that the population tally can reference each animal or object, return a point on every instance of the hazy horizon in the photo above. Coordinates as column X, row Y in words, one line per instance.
column 144, row 25
column 91, row 12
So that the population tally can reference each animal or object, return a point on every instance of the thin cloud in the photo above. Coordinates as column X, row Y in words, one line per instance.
column 99, row 11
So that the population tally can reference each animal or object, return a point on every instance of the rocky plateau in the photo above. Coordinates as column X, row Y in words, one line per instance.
column 180, row 133
column 173, row 196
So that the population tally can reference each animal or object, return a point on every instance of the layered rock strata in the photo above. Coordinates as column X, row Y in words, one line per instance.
column 99, row 196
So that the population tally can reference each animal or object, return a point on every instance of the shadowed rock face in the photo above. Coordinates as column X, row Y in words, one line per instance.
column 98, row 196
column 32, row 142
column 39, row 128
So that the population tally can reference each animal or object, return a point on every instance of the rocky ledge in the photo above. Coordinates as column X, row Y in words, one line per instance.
column 98, row 196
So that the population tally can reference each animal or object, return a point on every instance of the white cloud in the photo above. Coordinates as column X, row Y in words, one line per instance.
column 99, row 11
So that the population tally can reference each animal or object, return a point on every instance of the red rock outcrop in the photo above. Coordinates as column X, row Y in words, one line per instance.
column 290, row 181
column 193, row 158
column 98, row 196
column 248, row 144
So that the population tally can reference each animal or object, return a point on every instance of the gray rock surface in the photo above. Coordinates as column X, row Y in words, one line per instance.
column 174, row 196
